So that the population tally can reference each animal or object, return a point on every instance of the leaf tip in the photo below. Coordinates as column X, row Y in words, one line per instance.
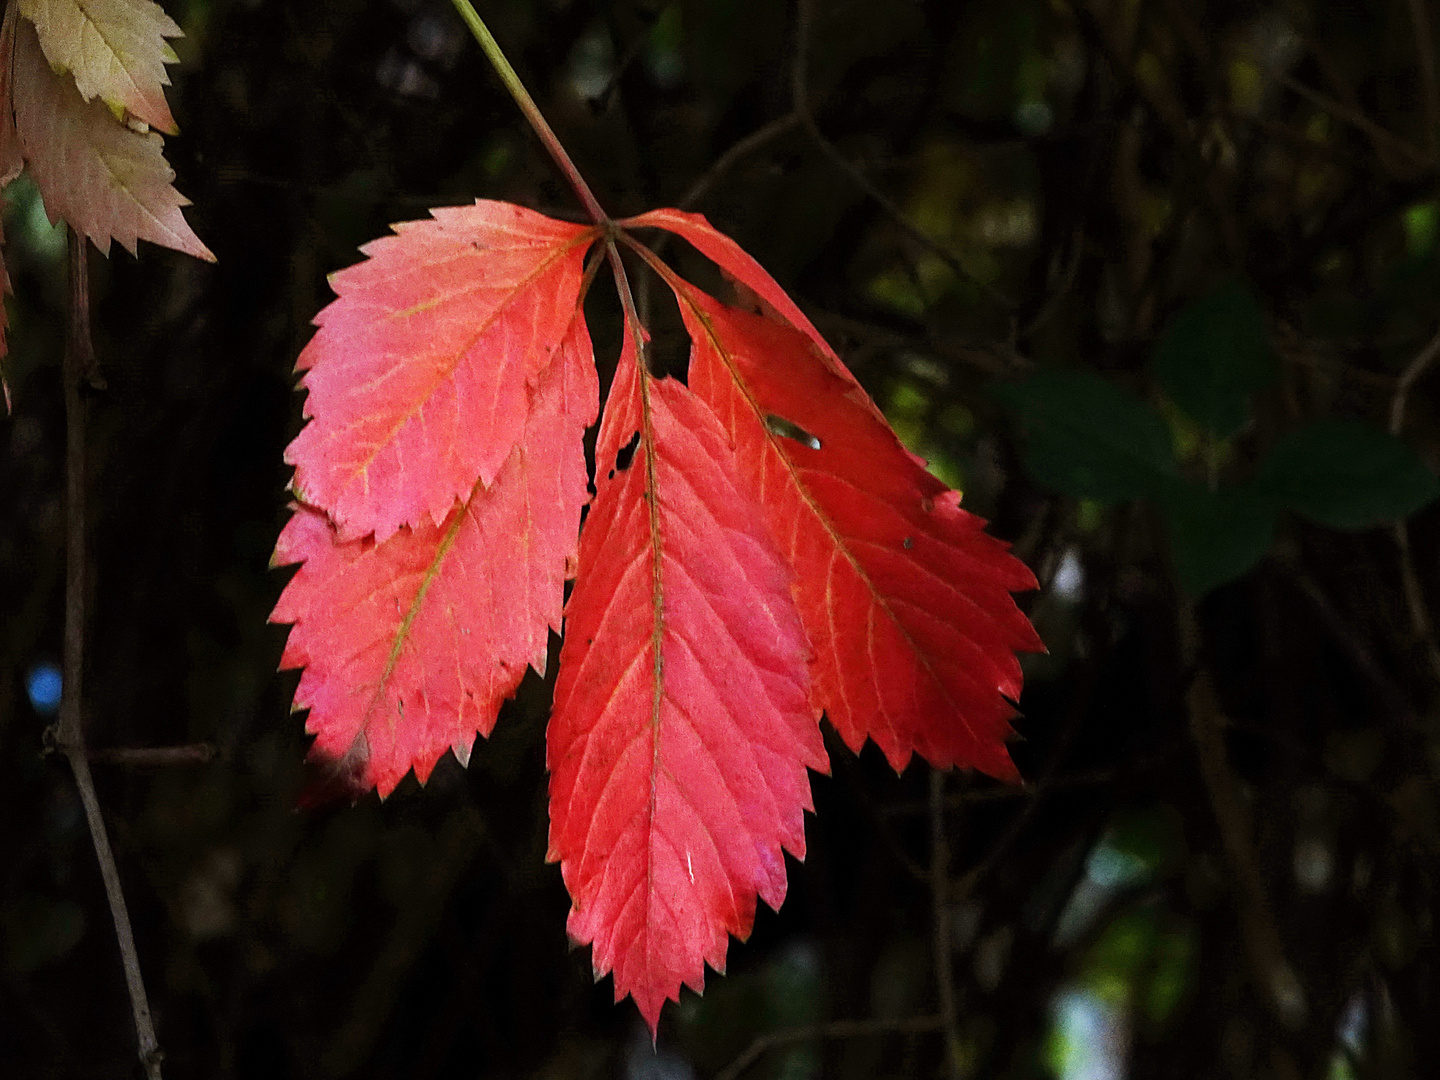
column 462, row 748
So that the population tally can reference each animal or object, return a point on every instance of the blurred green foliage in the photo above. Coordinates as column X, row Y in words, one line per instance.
column 1088, row 438
column 1213, row 356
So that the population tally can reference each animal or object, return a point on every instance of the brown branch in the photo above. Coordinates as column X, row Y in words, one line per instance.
column 1278, row 985
column 701, row 188
column 1058, row 753
column 1379, row 137
column 800, row 92
column 152, row 757
column 1425, row 54
column 940, row 903
column 1408, row 378
column 738, row 152
column 1391, row 697
column 835, row 1029
column 1165, row 107
column 80, row 373
column 1420, row 621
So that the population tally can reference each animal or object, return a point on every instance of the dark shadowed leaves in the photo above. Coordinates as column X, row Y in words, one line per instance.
column 1213, row 355
column 1088, row 438
column 1345, row 474
column 1216, row 536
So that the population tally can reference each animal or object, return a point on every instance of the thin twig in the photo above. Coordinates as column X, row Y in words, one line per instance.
column 378, row 991
column 738, row 152
column 1420, row 621
column 80, row 371
column 1299, row 143
column 1356, row 119
column 845, row 768
column 800, row 79
column 988, row 360
column 1078, row 781
column 1408, row 378
column 1425, row 53
column 649, row 16
column 701, row 188
column 153, row 757
column 1058, row 753
column 1391, row 698
column 1275, row 979
column 940, row 902
column 1055, row 300
column 835, row 1029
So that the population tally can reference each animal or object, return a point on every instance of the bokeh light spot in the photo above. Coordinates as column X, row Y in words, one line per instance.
column 42, row 684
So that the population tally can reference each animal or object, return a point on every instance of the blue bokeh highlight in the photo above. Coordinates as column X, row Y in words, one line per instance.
column 43, row 685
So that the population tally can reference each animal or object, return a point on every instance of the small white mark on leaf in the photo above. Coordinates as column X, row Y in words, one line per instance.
column 778, row 425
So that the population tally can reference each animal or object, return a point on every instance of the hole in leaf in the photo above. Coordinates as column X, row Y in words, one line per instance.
column 626, row 455
column 778, row 425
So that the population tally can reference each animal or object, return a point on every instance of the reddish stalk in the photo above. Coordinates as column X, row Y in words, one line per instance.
column 532, row 111
column 551, row 141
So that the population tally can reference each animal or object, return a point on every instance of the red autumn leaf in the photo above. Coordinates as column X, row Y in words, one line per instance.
column 905, row 598
column 754, row 284
column 742, row 269
column 418, row 375
column 681, row 732
column 734, row 261
column 411, row 644
column 761, row 548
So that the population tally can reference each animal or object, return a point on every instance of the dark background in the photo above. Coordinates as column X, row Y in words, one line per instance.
column 1225, row 863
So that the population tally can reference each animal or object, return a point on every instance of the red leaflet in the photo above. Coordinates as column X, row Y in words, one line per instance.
column 761, row 549
column 681, row 731
column 410, row 645
column 905, row 598
column 736, row 262
column 418, row 373
column 741, row 268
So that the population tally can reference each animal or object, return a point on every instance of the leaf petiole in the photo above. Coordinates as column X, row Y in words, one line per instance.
column 547, row 136
column 532, row 113
column 633, row 325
